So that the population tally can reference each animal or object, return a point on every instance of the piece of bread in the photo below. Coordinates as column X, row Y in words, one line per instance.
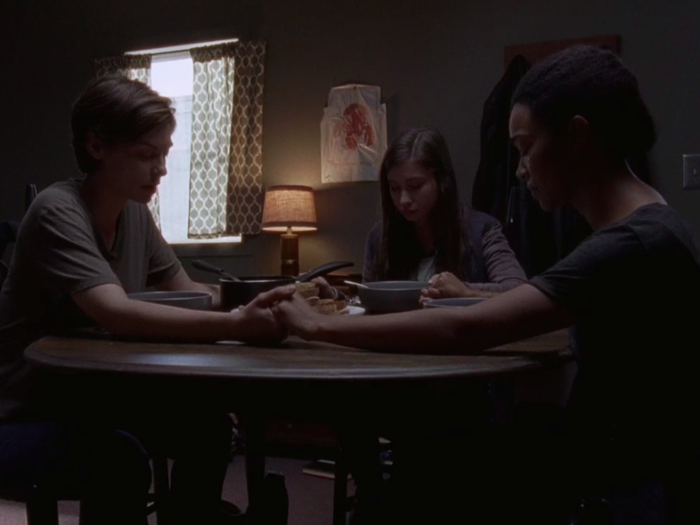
column 307, row 289
column 313, row 301
column 340, row 305
column 326, row 307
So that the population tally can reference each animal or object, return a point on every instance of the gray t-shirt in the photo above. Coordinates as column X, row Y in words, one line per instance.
column 59, row 252
column 633, row 286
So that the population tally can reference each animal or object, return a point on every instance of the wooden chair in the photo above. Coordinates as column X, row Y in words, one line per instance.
column 9, row 228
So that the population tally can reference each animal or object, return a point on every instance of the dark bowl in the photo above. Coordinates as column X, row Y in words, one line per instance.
column 382, row 297
column 239, row 293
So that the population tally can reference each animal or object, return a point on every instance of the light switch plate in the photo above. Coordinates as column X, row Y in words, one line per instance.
column 691, row 172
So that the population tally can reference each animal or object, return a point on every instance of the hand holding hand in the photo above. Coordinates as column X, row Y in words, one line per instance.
column 296, row 314
column 260, row 325
column 446, row 284
column 325, row 290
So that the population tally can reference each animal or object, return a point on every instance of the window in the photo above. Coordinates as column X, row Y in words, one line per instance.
column 172, row 76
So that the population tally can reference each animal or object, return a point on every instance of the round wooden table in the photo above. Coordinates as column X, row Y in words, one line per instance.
column 294, row 375
column 295, row 360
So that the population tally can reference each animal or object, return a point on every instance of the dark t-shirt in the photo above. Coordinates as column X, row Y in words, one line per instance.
column 59, row 252
column 633, row 287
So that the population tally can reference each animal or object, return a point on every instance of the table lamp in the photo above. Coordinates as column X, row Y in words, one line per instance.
column 289, row 209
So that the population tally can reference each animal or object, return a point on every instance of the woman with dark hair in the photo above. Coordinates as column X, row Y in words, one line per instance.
column 426, row 234
column 576, row 118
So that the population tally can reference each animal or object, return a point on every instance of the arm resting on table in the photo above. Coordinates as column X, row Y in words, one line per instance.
column 514, row 315
column 109, row 306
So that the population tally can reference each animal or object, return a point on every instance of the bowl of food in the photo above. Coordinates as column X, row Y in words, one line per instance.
column 184, row 299
column 381, row 297
column 452, row 302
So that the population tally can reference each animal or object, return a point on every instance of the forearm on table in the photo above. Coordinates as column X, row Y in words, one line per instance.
column 109, row 306
column 148, row 320
column 437, row 331
column 518, row 314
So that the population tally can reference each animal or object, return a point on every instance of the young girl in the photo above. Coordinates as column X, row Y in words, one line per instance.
column 426, row 234
column 576, row 117
column 425, row 231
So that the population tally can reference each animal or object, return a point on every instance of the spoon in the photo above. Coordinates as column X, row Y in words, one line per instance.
column 359, row 285
column 207, row 267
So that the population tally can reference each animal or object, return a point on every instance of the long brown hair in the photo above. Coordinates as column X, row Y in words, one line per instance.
column 400, row 251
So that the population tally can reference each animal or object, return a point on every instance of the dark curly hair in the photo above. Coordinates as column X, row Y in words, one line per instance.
column 118, row 111
column 594, row 83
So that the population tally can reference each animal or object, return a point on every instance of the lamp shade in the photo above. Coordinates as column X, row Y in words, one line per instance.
column 289, row 207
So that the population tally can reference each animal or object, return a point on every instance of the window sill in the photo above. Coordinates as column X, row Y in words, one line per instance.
column 238, row 239
column 229, row 247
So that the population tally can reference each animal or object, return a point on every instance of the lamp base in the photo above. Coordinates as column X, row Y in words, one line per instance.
column 289, row 249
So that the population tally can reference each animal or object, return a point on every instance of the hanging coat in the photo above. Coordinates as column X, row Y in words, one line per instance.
column 538, row 238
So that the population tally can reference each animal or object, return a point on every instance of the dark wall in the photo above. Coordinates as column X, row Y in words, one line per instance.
column 436, row 62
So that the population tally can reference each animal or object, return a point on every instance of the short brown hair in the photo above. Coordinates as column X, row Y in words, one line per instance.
column 118, row 111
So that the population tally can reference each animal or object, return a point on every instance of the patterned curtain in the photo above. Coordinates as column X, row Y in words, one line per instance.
column 245, row 193
column 135, row 67
column 226, row 152
column 212, row 107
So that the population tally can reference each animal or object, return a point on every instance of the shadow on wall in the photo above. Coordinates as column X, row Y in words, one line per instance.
column 345, row 213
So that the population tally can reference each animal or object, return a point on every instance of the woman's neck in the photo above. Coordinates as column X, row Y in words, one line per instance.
column 610, row 196
column 104, row 205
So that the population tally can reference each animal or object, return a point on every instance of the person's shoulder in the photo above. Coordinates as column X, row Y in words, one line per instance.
column 653, row 222
column 660, row 224
column 60, row 199
column 655, row 214
column 58, row 194
column 58, row 207
column 375, row 232
column 480, row 220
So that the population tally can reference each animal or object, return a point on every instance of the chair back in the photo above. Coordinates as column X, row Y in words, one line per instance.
column 29, row 195
column 9, row 229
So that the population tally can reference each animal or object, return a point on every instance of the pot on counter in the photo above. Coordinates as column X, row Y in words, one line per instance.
column 238, row 291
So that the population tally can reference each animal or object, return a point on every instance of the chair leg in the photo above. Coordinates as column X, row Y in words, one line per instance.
column 340, row 490
column 161, row 488
column 41, row 509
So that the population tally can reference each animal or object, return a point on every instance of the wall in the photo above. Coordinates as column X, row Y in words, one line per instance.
column 436, row 62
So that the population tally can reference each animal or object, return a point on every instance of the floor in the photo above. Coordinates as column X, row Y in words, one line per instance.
column 310, row 497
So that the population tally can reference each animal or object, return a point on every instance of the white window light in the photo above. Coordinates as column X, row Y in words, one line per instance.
column 172, row 77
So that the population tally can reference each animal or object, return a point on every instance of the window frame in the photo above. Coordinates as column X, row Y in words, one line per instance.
column 195, row 247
